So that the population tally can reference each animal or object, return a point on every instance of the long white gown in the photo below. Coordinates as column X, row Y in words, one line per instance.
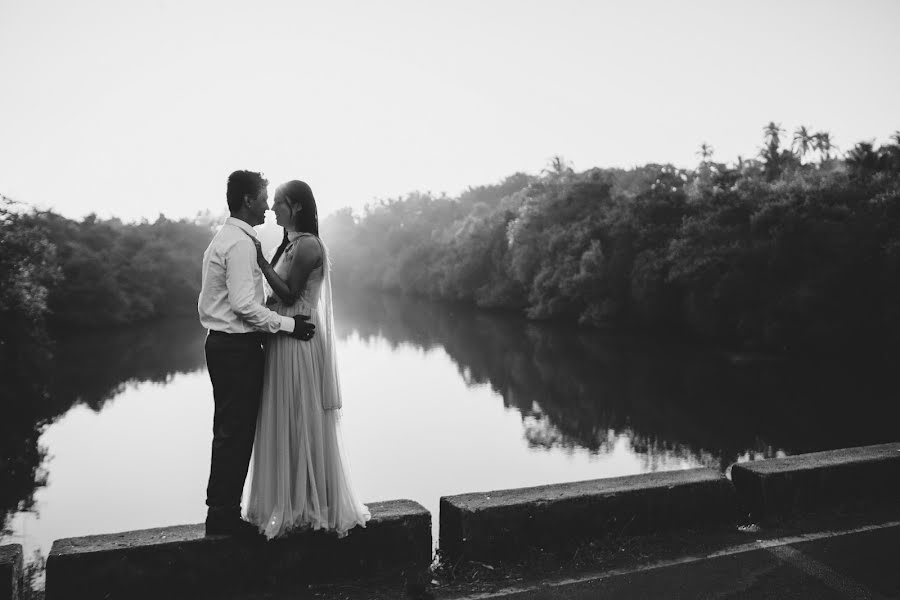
column 299, row 474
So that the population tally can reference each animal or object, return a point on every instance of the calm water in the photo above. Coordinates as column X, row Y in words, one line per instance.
column 438, row 400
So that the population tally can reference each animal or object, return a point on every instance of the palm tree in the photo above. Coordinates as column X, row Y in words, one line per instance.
column 822, row 143
column 773, row 131
column 705, row 152
column 770, row 153
column 558, row 168
column 803, row 142
column 863, row 159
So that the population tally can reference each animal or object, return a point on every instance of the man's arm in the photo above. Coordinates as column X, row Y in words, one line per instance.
column 307, row 256
column 239, row 261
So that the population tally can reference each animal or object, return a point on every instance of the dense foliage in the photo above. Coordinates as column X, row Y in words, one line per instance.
column 775, row 252
column 113, row 273
column 795, row 248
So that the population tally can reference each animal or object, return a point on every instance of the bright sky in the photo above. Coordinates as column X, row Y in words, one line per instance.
column 134, row 108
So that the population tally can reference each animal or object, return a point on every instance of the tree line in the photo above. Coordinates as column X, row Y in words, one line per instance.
column 795, row 248
column 95, row 272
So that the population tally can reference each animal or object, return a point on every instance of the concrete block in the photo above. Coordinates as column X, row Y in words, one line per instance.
column 506, row 523
column 181, row 561
column 785, row 486
column 10, row 572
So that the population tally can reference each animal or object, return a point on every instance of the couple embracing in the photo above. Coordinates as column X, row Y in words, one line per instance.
column 273, row 370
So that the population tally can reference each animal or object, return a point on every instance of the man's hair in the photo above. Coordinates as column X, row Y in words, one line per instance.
column 241, row 183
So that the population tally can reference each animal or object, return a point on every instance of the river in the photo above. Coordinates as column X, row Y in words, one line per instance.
column 438, row 400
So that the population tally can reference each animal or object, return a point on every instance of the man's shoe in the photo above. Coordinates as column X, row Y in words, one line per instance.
column 234, row 526
column 247, row 531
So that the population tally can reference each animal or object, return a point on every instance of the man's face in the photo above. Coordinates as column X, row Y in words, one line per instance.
column 259, row 206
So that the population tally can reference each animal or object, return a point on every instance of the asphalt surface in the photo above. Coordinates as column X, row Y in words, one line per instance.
column 862, row 563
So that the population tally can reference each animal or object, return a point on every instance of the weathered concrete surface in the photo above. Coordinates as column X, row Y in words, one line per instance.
column 838, row 566
column 10, row 571
column 506, row 523
column 179, row 560
column 784, row 486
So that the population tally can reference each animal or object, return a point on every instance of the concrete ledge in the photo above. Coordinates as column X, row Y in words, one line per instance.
column 10, row 572
column 180, row 561
column 785, row 486
column 505, row 523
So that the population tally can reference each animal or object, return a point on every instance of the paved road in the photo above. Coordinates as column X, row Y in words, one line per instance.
column 861, row 564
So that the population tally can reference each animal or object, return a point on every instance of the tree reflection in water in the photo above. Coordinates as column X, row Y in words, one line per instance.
column 80, row 368
column 91, row 368
column 588, row 389
column 573, row 388
column 24, row 394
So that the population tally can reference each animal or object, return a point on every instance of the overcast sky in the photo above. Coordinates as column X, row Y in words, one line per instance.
column 130, row 108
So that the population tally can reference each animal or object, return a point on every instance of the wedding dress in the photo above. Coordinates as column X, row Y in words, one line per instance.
column 299, row 475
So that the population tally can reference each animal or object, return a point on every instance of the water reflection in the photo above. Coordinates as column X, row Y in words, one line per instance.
column 80, row 368
column 93, row 367
column 580, row 389
column 23, row 391
column 671, row 404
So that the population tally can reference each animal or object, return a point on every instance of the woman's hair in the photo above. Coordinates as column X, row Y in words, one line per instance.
column 298, row 194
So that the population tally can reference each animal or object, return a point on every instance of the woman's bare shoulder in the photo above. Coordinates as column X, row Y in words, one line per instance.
column 308, row 245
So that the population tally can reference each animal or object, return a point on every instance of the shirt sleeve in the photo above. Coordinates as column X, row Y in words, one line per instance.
column 239, row 261
column 287, row 324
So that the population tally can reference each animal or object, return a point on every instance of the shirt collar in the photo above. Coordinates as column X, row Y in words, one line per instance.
column 242, row 225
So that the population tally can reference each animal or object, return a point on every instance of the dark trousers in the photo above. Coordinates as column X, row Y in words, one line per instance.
column 235, row 365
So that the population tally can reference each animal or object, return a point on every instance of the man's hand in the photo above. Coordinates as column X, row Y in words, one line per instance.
column 303, row 330
column 260, row 259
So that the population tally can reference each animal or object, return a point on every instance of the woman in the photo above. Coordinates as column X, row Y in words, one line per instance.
column 299, row 473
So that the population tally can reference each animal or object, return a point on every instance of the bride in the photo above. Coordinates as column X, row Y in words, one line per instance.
column 299, row 477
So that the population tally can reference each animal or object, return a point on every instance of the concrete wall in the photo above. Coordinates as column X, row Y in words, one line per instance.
column 503, row 523
column 10, row 571
column 163, row 562
column 488, row 525
column 507, row 523
column 779, row 488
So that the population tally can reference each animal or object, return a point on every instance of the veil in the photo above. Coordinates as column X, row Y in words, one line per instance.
column 331, row 382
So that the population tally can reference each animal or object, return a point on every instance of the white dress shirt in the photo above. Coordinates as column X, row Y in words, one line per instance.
column 231, row 295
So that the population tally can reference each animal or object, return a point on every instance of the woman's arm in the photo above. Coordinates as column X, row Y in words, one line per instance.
column 307, row 256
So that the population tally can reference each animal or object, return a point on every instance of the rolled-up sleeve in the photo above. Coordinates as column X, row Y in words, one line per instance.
column 239, row 261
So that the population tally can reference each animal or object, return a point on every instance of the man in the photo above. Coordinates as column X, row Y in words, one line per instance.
column 231, row 307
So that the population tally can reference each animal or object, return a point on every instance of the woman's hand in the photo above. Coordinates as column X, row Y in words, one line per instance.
column 260, row 259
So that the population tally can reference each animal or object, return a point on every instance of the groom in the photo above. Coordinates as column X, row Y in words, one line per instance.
column 231, row 307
